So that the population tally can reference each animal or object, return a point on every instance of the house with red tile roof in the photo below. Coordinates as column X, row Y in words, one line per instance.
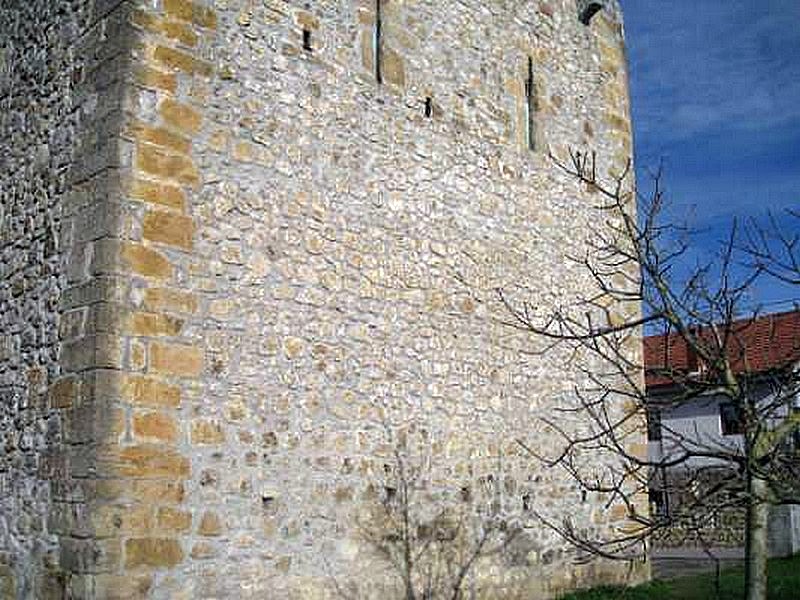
column 756, row 346
column 688, row 412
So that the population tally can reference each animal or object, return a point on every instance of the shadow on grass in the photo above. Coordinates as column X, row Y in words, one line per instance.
column 784, row 584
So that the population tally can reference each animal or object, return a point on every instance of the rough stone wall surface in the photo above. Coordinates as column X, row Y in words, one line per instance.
column 60, row 112
column 333, row 261
column 290, row 266
column 724, row 527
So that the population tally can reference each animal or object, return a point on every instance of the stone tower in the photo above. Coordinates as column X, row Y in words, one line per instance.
column 247, row 245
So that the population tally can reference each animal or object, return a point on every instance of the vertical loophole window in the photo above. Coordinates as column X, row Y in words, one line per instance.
column 428, row 107
column 377, row 41
column 307, row 40
column 527, row 502
column 530, row 108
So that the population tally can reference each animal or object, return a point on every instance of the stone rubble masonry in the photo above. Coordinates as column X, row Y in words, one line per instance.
column 228, row 262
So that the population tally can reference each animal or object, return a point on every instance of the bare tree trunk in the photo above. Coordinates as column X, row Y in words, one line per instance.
column 756, row 539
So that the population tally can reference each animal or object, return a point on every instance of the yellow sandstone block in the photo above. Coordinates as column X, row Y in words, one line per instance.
column 618, row 512
column 146, row 261
column 159, row 136
column 153, row 78
column 189, row 11
column 173, row 519
column 203, row 550
column 638, row 450
column 151, row 324
column 146, row 20
column 155, row 426
column 112, row 519
column 218, row 141
column 138, row 356
column 368, row 50
column 146, row 461
column 393, row 69
column 175, row 359
column 182, row 61
column 108, row 489
column 617, row 122
column 307, row 21
column 179, row 32
column 207, row 432
column 180, row 116
column 293, row 347
column 152, row 552
column 154, row 161
column 158, row 193
column 157, row 492
column 147, row 391
column 170, row 300
column 63, row 393
column 168, row 228
column 122, row 587
column 143, row 492
column 210, row 525
column 244, row 152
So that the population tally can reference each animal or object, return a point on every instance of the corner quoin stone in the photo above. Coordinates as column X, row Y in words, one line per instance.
column 177, row 360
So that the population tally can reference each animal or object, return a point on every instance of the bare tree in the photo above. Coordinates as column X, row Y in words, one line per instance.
column 774, row 247
column 643, row 281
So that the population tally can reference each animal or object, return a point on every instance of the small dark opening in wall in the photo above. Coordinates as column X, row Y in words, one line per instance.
column 428, row 107
column 588, row 10
column 526, row 502
column 530, row 107
column 307, row 40
column 378, row 41
column 269, row 504
column 583, row 495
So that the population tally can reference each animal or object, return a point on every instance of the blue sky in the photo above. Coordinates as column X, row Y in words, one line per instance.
column 715, row 89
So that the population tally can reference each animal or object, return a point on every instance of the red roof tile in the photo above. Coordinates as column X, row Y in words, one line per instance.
column 755, row 346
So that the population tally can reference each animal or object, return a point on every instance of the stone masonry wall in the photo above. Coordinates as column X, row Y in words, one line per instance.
column 61, row 66
column 280, row 266
column 330, row 258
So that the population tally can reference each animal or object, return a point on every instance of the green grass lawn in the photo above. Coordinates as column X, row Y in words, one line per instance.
column 784, row 584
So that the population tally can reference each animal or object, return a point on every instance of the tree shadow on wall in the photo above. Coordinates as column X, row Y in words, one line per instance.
column 424, row 542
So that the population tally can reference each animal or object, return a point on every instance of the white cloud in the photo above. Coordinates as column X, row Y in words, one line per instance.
column 704, row 65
